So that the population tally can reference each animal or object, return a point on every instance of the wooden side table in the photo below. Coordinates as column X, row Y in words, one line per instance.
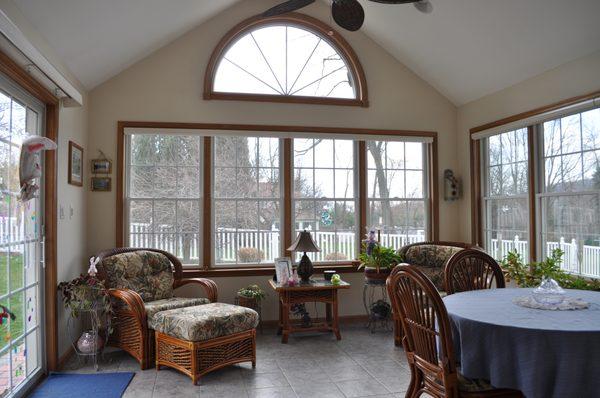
column 319, row 291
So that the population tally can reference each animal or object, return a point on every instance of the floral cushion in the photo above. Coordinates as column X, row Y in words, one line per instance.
column 145, row 272
column 431, row 259
column 153, row 307
column 205, row 322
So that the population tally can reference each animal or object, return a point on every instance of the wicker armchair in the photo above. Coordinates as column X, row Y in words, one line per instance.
column 472, row 270
column 138, row 298
column 428, row 340
column 431, row 258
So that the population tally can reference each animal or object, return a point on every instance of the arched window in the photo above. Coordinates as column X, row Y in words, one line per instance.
column 291, row 58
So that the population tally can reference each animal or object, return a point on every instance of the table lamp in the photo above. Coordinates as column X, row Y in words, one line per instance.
column 304, row 243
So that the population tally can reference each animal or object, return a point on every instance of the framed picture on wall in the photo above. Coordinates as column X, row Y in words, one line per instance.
column 75, row 164
column 101, row 184
column 101, row 166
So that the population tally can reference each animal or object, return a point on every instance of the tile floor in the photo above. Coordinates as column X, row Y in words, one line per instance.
column 362, row 364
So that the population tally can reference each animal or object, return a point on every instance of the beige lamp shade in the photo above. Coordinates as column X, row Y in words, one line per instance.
column 304, row 243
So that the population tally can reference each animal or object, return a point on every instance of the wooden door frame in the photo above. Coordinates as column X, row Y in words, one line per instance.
column 23, row 79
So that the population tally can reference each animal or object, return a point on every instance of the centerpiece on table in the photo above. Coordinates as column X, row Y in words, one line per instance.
column 377, row 260
column 88, row 294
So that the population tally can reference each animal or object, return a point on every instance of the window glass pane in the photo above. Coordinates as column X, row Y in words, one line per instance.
column 164, row 180
column 284, row 60
column 247, row 204
column 590, row 125
column 570, row 223
column 397, row 196
column 506, row 205
column 331, row 221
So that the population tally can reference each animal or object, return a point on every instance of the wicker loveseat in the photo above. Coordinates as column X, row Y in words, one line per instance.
column 431, row 258
column 142, row 284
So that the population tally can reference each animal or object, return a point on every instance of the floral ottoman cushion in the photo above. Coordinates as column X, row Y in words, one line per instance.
column 154, row 307
column 205, row 322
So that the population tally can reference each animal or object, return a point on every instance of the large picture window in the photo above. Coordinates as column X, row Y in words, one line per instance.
column 559, row 200
column 232, row 201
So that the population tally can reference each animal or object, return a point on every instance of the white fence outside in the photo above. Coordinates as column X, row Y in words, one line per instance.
column 228, row 242
column 584, row 261
column 12, row 230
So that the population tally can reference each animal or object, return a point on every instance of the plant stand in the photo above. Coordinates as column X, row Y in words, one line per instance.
column 375, row 291
column 253, row 304
column 92, row 321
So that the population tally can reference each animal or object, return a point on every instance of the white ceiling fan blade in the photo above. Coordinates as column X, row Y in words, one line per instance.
column 424, row 6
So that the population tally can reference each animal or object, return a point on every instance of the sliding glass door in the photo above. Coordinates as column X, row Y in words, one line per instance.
column 21, row 349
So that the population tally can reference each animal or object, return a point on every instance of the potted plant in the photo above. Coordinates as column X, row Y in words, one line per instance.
column 378, row 261
column 250, row 296
column 87, row 293
column 531, row 275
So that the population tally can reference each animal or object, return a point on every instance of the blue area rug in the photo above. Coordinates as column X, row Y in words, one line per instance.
column 97, row 385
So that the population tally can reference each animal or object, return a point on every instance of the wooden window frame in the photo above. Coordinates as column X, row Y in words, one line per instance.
column 206, row 270
column 15, row 72
column 476, row 169
column 303, row 21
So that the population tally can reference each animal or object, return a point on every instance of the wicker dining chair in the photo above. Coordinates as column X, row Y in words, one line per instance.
column 427, row 340
column 131, row 332
column 470, row 270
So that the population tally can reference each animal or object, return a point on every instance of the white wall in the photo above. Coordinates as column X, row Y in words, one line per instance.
column 167, row 86
column 572, row 79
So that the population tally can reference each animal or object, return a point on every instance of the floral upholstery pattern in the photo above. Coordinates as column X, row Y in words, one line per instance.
column 205, row 322
column 148, row 273
column 431, row 259
column 154, row 307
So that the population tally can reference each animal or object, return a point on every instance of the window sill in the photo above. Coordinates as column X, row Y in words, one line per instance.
column 341, row 268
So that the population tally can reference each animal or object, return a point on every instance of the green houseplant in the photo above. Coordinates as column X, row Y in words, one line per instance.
column 531, row 275
column 378, row 261
column 250, row 296
column 88, row 294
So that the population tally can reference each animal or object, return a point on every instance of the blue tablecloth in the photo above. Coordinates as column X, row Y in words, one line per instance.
column 542, row 353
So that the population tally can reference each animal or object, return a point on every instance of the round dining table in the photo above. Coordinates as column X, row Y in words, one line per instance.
column 542, row 353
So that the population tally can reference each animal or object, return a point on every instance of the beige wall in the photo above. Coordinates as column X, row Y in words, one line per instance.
column 575, row 78
column 168, row 85
column 73, row 125
column 72, row 229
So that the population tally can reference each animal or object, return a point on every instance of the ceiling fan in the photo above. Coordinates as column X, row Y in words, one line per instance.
column 348, row 14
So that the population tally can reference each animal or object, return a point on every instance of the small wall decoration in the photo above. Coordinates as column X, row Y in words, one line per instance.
column 101, row 184
column 101, row 166
column 75, row 164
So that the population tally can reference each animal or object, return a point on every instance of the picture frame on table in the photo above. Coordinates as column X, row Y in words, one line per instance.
column 75, row 172
column 283, row 269
column 101, row 166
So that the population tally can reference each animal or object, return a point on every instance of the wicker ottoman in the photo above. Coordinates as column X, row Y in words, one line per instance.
column 197, row 340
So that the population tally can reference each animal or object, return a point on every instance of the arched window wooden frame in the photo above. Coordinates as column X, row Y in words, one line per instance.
column 292, row 19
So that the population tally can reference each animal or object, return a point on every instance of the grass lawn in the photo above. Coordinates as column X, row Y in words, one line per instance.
column 13, row 329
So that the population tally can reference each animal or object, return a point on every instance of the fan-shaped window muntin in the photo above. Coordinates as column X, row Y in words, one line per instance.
column 286, row 59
